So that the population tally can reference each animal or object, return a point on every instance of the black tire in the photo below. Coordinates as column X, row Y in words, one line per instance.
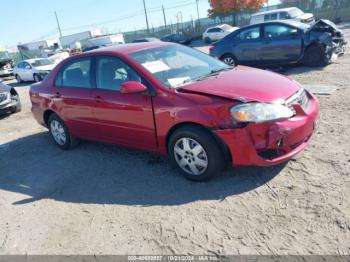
column 70, row 141
column 19, row 79
column 207, row 40
column 214, row 155
column 36, row 78
column 315, row 56
column 229, row 59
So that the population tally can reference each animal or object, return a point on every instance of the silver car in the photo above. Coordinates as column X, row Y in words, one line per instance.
column 9, row 99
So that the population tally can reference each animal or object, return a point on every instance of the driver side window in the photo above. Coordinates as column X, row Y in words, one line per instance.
column 111, row 72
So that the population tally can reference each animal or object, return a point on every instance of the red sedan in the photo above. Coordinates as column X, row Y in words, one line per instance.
column 174, row 100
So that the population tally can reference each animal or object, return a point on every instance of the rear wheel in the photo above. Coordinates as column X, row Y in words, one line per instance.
column 207, row 40
column 196, row 153
column 36, row 78
column 229, row 60
column 315, row 56
column 60, row 132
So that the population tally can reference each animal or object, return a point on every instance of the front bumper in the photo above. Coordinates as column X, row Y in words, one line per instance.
column 6, row 72
column 271, row 143
column 10, row 103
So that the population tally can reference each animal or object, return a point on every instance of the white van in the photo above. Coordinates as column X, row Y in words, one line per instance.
column 292, row 13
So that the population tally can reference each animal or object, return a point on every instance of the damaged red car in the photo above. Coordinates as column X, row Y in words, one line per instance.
column 174, row 100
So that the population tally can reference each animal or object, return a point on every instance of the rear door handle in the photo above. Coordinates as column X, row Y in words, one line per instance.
column 98, row 99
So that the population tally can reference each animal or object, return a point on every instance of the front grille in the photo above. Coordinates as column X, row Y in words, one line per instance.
column 3, row 97
column 299, row 98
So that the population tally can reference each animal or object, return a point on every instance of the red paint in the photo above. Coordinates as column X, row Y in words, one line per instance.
column 143, row 121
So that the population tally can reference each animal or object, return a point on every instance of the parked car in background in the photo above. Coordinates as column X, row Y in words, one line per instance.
column 175, row 100
column 9, row 99
column 33, row 69
column 177, row 38
column 291, row 13
column 6, row 64
column 280, row 43
column 145, row 39
column 217, row 32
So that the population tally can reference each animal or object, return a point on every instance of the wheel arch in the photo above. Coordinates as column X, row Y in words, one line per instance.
column 47, row 114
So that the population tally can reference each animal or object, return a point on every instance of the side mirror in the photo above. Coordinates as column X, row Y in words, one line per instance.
column 132, row 87
column 294, row 32
column 28, row 67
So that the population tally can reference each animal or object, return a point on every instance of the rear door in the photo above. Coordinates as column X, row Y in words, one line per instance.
column 72, row 98
column 125, row 119
column 247, row 45
column 281, row 43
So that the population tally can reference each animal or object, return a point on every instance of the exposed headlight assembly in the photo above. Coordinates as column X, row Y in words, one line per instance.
column 260, row 112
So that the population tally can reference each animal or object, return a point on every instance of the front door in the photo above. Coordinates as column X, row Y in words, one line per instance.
column 281, row 43
column 125, row 119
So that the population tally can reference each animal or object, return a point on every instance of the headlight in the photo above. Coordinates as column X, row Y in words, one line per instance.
column 260, row 112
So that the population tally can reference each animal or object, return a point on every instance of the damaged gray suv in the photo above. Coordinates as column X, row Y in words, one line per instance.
column 9, row 99
column 281, row 42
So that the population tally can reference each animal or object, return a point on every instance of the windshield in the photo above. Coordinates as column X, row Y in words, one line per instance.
column 295, row 12
column 176, row 65
column 41, row 62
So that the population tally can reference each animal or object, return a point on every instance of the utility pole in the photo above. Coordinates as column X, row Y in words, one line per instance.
column 164, row 17
column 58, row 24
column 199, row 23
column 144, row 7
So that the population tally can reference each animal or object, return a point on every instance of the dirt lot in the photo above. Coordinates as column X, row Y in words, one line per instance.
column 102, row 199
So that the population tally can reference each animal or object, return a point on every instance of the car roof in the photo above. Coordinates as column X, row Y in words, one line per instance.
column 286, row 22
column 287, row 9
column 130, row 48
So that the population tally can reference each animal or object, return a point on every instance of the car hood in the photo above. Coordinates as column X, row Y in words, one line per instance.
column 4, row 88
column 45, row 67
column 324, row 25
column 246, row 84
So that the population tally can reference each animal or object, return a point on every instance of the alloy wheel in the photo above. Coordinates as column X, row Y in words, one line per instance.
column 230, row 61
column 58, row 132
column 190, row 156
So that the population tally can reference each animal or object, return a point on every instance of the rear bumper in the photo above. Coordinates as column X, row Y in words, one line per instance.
column 271, row 143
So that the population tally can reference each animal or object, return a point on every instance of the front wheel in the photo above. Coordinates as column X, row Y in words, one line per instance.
column 19, row 79
column 60, row 133
column 315, row 56
column 196, row 153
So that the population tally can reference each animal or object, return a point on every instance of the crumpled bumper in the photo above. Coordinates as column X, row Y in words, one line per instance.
column 271, row 143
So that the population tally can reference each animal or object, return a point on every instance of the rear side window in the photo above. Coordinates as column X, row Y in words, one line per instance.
column 249, row 34
column 284, row 15
column 214, row 30
column 75, row 74
column 270, row 17
column 278, row 32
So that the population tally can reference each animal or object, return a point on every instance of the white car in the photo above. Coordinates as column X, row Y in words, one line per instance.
column 33, row 69
column 217, row 32
column 292, row 13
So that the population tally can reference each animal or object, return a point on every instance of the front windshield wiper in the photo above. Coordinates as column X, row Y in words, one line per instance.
column 213, row 72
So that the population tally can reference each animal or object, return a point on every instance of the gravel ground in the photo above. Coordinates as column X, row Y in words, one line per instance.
column 102, row 199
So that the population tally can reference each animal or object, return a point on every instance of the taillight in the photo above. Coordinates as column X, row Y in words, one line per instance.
column 211, row 48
